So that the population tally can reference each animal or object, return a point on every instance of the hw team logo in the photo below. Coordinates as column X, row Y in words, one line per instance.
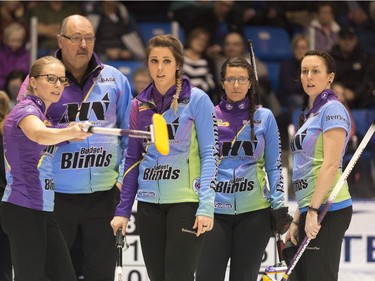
column 86, row 111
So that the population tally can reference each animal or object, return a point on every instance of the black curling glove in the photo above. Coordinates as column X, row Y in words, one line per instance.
column 280, row 220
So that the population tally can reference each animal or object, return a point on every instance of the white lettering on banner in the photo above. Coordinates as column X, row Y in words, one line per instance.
column 357, row 257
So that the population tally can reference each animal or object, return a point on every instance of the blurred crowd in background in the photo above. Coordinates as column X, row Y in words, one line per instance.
column 213, row 31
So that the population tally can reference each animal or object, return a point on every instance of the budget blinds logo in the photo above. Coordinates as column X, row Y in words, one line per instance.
column 161, row 172
column 86, row 158
column 232, row 186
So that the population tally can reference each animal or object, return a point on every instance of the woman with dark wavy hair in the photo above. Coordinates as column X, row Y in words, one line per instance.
column 318, row 148
column 250, row 155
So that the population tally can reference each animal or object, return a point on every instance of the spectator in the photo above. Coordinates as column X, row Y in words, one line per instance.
column 29, row 136
column 234, row 46
column 13, row 54
column 13, row 83
column 290, row 93
column 364, row 95
column 5, row 257
column 364, row 26
column 323, row 30
column 290, row 89
column 264, row 13
column 141, row 79
column 339, row 90
column 298, row 14
column 149, row 11
column 184, row 12
column 219, row 19
column 10, row 12
column 197, row 66
column 49, row 15
column 117, row 32
column 352, row 66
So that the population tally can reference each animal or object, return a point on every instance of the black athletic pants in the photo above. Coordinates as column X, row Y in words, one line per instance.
column 5, row 258
column 87, row 217
column 169, row 245
column 38, row 249
column 242, row 238
column 321, row 259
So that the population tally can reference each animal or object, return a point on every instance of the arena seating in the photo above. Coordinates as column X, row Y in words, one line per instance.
column 362, row 178
column 126, row 67
column 148, row 30
column 273, row 74
column 271, row 44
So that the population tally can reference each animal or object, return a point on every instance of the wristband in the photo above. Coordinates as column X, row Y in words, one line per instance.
column 312, row 209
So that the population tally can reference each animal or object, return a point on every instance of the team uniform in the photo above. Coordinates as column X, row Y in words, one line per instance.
column 6, row 261
column 307, row 147
column 37, row 245
column 85, row 172
column 243, row 198
column 171, row 190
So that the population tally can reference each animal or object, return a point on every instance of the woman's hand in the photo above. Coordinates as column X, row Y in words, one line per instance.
column 312, row 226
column 119, row 222
column 203, row 224
column 79, row 131
column 292, row 233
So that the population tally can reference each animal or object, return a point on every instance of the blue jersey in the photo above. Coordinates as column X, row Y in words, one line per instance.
column 28, row 164
column 103, row 98
column 307, row 147
column 188, row 173
column 250, row 176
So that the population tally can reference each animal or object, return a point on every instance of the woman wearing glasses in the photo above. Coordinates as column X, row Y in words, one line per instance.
column 249, row 155
column 38, row 249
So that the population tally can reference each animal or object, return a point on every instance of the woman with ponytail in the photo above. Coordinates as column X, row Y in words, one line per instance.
column 318, row 148
column 250, row 155
column 175, row 193
column 38, row 249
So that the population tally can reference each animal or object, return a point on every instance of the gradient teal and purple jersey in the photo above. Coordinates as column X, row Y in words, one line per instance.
column 28, row 165
column 102, row 98
column 307, row 147
column 246, row 167
column 188, row 173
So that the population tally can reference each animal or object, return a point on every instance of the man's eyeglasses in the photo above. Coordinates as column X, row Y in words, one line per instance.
column 241, row 80
column 52, row 79
column 77, row 39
